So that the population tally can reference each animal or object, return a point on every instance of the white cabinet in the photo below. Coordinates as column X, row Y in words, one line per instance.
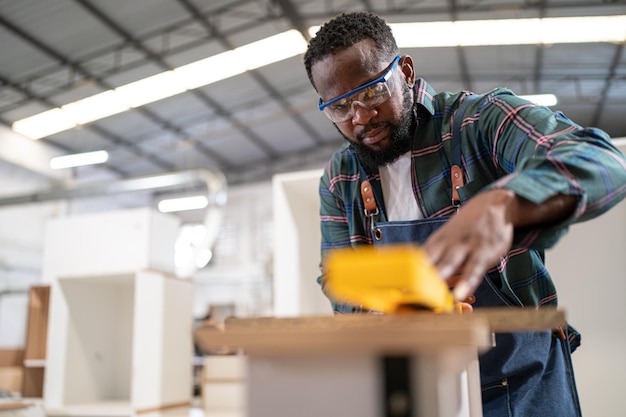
column 120, row 329
column 109, row 243
column 297, row 239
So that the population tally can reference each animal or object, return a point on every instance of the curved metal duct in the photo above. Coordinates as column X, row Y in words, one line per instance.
column 213, row 181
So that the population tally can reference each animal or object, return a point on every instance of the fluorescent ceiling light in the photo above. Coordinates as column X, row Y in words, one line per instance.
column 291, row 43
column 95, row 107
column 551, row 30
column 79, row 159
column 183, row 203
column 542, row 99
column 44, row 124
column 151, row 89
column 167, row 84
column 511, row 31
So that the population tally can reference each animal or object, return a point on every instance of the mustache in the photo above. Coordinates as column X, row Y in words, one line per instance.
column 365, row 130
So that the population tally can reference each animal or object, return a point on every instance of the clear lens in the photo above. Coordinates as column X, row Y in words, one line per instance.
column 369, row 98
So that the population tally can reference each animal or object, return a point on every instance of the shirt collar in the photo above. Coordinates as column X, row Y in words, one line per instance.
column 425, row 95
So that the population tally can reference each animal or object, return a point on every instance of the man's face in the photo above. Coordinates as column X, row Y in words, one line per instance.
column 380, row 134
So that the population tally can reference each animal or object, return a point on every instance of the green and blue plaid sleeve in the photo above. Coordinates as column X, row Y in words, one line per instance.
column 542, row 153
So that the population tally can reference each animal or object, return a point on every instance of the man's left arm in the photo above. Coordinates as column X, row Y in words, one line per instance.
column 561, row 174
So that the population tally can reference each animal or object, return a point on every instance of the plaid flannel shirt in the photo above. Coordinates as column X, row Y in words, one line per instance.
column 506, row 142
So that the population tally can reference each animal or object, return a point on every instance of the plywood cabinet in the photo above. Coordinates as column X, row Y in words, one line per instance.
column 120, row 330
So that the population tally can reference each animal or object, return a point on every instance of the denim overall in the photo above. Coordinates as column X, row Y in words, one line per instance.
column 526, row 374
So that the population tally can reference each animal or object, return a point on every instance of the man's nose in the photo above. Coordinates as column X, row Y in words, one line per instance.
column 360, row 114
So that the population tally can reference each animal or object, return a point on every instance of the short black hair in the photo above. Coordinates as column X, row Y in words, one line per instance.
column 344, row 31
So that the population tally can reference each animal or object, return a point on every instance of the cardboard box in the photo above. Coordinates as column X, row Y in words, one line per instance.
column 11, row 369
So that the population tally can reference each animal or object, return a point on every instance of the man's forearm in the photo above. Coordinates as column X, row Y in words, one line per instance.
column 524, row 213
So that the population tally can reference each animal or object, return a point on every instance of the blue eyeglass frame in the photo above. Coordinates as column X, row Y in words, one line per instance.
column 385, row 77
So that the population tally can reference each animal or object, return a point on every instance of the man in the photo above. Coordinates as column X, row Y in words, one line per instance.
column 484, row 182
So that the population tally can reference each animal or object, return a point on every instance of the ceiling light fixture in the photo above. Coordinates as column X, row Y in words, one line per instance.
column 554, row 30
column 183, row 203
column 291, row 43
column 167, row 84
column 79, row 159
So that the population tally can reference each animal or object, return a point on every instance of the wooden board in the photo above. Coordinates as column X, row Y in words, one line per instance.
column 37, row 325
column 36, row 339
column 390, row 334
column 32, row 383
column 13, row 405
column 506, row 320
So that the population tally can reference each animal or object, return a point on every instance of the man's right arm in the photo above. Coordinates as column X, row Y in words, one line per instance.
column 341, row 224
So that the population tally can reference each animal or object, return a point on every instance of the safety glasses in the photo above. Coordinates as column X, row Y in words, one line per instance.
column 368, row 96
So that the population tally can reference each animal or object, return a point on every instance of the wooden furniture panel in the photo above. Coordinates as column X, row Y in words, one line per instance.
column 36, row 338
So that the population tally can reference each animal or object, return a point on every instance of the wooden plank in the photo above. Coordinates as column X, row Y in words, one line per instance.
column 398, row 333
column 11, row 357
column 498, row 319
column 37, row 326
column 362, row 333
column 507, row 320
column 32, row 383
column 36, row 339
column 13, row 405
column 163, row 407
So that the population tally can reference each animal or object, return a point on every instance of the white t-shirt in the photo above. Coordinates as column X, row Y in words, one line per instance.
column 395, row 180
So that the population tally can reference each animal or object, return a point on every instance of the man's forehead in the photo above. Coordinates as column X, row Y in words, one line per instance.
column 360, row 57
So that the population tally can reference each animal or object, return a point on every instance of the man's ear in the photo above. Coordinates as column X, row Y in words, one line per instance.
column 406, row 64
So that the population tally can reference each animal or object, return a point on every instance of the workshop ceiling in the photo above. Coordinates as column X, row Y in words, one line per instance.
column 265, row 120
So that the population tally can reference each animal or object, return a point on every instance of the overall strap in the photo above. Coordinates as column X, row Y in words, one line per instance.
column 369, row 202
column 456, row 172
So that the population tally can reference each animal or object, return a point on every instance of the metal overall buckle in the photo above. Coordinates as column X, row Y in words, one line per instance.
column 456, row 176
column 371, row 209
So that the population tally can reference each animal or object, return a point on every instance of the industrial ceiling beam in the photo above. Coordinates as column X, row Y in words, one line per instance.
column 48, row 50
column 460, row 51
column 610, row 77
column 293, row 16
column 159, row 60
column 256, row 75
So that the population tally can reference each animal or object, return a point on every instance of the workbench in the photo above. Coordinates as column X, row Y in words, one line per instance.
column 418, row 364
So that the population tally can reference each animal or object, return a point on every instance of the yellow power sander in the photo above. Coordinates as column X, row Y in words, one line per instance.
column 388, row 279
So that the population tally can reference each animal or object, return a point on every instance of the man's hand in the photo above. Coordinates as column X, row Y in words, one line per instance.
column 473, row 240
column 481, row 233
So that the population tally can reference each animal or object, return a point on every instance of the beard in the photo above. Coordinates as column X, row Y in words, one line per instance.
column 401, row 135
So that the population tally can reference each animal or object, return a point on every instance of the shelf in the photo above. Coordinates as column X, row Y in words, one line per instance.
column 101, row 408
column 34, row 363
